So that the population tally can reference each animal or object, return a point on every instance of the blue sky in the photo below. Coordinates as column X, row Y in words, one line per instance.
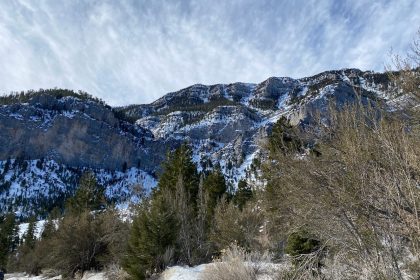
column 129, row 52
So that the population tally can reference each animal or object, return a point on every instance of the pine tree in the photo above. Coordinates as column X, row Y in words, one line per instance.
column 179, row 163
column 166, row 228
column 49, row 228
column 15, row 239
column 78, row 244
column 89, row 195
column 284, row 137
column 243, row 194
column 182, row 206
column 7, row 166
column 30, row 237
column 9, row 237
column 215, row 186
column 152, row 238
column 27, row 258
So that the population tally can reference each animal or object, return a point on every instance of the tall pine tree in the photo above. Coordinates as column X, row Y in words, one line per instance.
column 179, row 163
column 215, row 186
column 9, row 238
column 243, row 194
column 162, row 231
column 152, row 239
column 89, row 195
column 30, row 235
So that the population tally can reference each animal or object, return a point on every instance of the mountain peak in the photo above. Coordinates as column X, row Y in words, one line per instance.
column 223, row 123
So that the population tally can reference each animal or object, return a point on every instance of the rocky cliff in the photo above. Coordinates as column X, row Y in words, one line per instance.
column 124, row 146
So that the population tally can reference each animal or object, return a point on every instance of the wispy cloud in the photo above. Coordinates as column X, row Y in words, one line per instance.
column 135, row 51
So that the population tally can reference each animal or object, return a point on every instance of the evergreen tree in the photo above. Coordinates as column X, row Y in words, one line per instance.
column 26, row 259
column 49, row 228
column 170, row 225
column 202, row 224
column 9, row 237
column 243, row 194
column 30, row 237
column 179, row 163
column 215, row 186
column 89, row 195
column 15, row 239
column 284, row 137
column 79, row 244
column 152, row 238
column 299, row 243
column 7, row 166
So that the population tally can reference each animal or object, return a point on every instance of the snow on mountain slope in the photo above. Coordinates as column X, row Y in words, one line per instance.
column 225, row 124
column 41, row 184
column 39, row 228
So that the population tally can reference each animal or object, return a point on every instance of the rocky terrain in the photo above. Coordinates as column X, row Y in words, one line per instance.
column 49, row 137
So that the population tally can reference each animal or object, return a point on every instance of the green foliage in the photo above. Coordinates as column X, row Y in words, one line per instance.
column 77, row 245
column 243, row 194
column 214, row 185
column 179, row 163
column 121, row 114
column 29, row 237
column 86, row 237
column 299, row 243
column 183, row 104
column 264, row 104
column 88, row 196
column 152, row 239
column 172, row 225
column 83, row 241
column 49, row 228
column 23, row 97
column 284, row 137
column 9, row 238
column 26, row 258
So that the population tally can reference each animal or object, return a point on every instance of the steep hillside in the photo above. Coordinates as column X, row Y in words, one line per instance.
column 225, row 124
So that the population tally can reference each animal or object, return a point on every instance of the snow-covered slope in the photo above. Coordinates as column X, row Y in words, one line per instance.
column 43, row 184
column 226, row 123
column 55, row 136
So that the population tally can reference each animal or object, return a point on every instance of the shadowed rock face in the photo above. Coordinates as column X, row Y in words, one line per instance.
column 85, row 133
column 223, row 123
column 69, row 131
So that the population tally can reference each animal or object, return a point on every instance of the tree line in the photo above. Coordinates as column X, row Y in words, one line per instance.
column 173, row 225
column 340, row 200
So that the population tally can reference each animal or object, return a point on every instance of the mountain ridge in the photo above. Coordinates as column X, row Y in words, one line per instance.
column 223, row 123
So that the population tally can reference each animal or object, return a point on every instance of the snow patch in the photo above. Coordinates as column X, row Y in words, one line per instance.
column 183, row 273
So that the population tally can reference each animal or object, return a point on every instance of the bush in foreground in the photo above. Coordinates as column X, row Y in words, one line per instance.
column 236, row 263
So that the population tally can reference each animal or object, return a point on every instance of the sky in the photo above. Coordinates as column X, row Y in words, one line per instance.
column 131, row 52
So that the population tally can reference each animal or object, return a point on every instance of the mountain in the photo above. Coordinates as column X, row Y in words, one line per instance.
column 48, row 138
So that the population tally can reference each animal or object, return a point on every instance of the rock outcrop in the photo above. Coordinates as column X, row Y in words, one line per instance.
column 223, row 123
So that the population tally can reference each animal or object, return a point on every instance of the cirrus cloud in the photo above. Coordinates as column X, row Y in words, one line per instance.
column 135, row 51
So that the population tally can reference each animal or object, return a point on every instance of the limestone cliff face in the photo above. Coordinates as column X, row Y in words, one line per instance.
column 70, row 131
column 85, row 133
column 224, row 124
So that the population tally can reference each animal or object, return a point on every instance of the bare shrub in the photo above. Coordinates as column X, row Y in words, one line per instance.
column 407, row 70
column 236, row 263
column 233, row 225
column 360, row 194
column 115, row 272
column 306, row 267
